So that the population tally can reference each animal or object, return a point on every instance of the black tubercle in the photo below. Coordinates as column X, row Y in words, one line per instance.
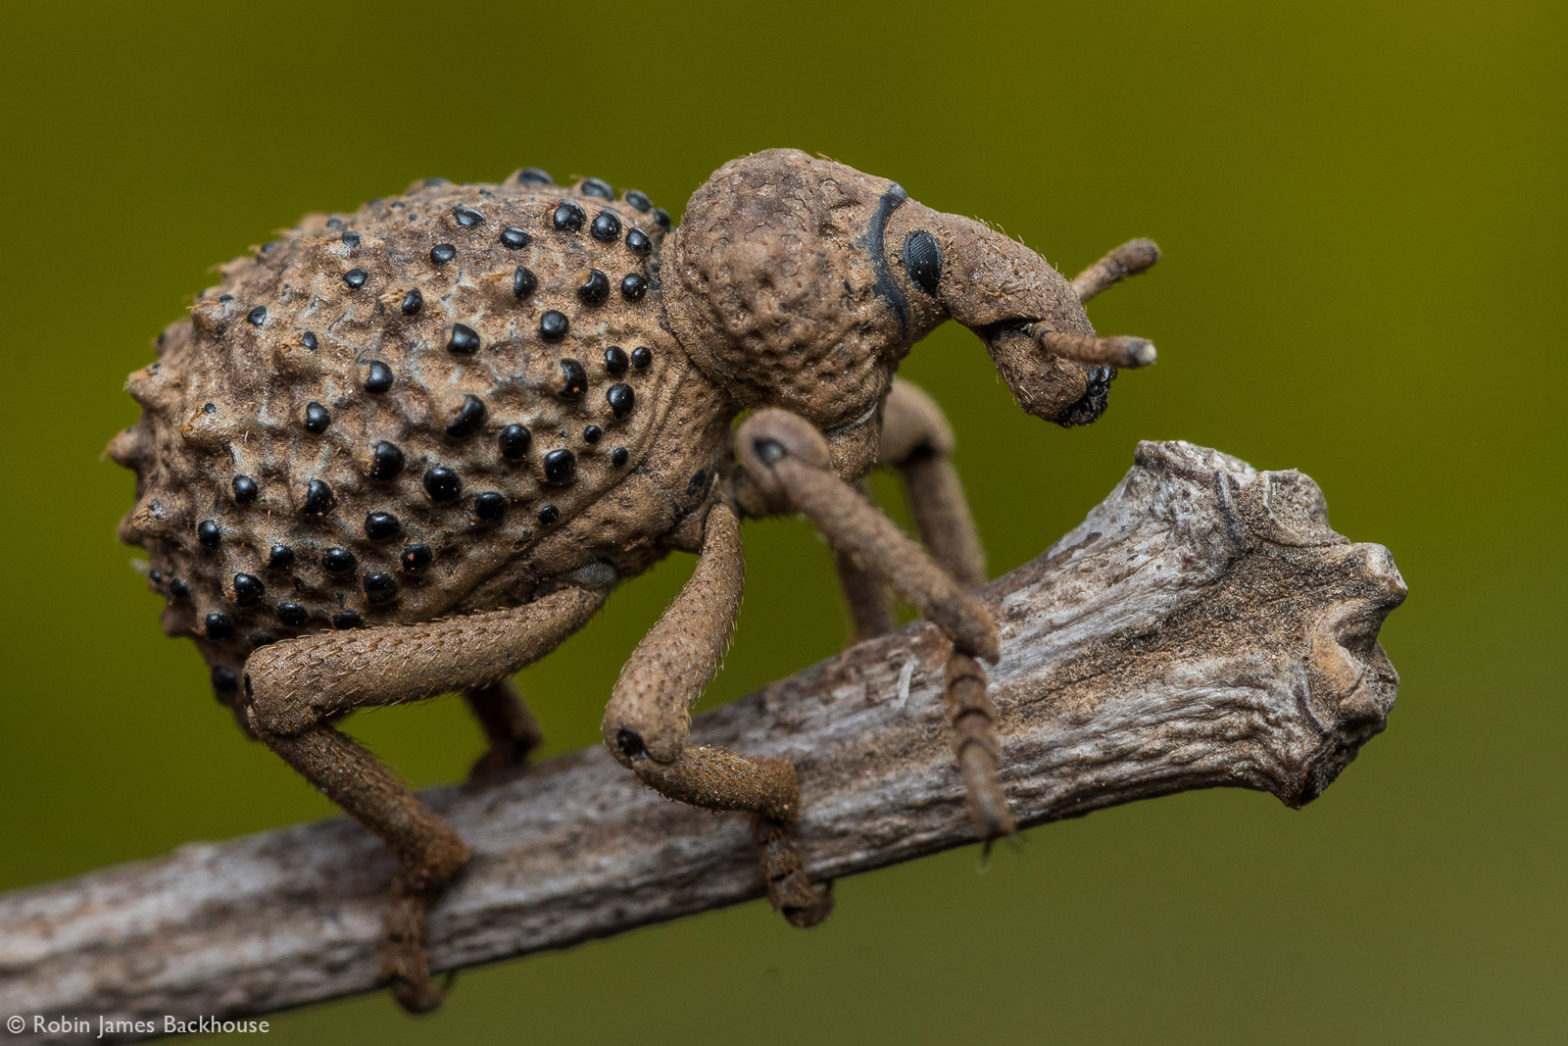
column 569, row 216
column 382, row 526
column 514, row 441
column 560, row 467
column 443, row 484
column 317, row 418
column 923, row 260
column 379, row 378
column 338, row 561
column 595, row 290
column 464, row 340
column 553, row 325
column 490, row 506
column 380, row 588
column 386, row 460
column 621, row 398
column 248, row 589
column 318, row 498
column 574, row 380
column 606, row 227
column 470, row 418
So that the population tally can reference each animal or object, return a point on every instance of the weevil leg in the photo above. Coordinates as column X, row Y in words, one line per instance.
column 292, row 688
column 428, row 852
column 786, row 458
column 646, row 724
column 917, row 440
column 509, row 727
column 869, row 611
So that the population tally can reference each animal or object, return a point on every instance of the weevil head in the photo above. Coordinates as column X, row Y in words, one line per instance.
column 798, row 282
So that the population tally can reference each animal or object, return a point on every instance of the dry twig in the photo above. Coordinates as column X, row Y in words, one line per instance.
column 1202, row 627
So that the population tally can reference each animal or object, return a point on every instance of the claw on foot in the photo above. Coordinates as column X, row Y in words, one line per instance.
column 790, row 891
column 972, row 717
column 405, row 964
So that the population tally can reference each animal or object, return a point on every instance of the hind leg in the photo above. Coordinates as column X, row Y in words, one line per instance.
column 646, row 724
column 509, row 727
column 292, row 688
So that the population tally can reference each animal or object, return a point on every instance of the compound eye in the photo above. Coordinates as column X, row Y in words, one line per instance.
column 923, row 260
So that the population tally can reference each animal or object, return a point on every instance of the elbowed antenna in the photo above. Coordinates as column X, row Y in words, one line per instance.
column 1129, row 259
column 1117, row 350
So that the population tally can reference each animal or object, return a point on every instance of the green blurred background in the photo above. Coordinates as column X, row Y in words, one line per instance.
column 1362, row 210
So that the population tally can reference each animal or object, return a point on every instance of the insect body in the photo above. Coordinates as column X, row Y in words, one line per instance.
column 407, row 451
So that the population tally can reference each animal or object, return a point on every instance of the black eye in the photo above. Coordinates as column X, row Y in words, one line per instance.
column 923, row 260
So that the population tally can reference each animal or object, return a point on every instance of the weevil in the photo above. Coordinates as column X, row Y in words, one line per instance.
column 409, row 450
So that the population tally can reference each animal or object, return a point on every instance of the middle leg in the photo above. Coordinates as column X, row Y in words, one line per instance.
column 788, row 461
column 646, row 724
column 918, row 442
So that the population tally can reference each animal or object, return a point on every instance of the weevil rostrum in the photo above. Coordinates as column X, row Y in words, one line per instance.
column 409, row 450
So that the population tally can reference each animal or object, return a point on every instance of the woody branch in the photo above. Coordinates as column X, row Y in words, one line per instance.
column 1202, row 627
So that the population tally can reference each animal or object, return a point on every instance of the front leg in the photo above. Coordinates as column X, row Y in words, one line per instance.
column 788, row 461
column 646, row 724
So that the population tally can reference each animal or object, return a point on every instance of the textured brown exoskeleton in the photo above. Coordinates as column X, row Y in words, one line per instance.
column 409, row 450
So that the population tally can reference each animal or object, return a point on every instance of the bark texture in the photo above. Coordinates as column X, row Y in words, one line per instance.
column 1203, row 626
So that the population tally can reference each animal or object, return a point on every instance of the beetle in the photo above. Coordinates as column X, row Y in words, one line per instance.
column 409, row 450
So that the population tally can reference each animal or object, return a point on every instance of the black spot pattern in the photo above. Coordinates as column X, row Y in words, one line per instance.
column 423, row 364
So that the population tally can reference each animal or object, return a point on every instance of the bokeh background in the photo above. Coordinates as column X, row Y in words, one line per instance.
column 1362, row 209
